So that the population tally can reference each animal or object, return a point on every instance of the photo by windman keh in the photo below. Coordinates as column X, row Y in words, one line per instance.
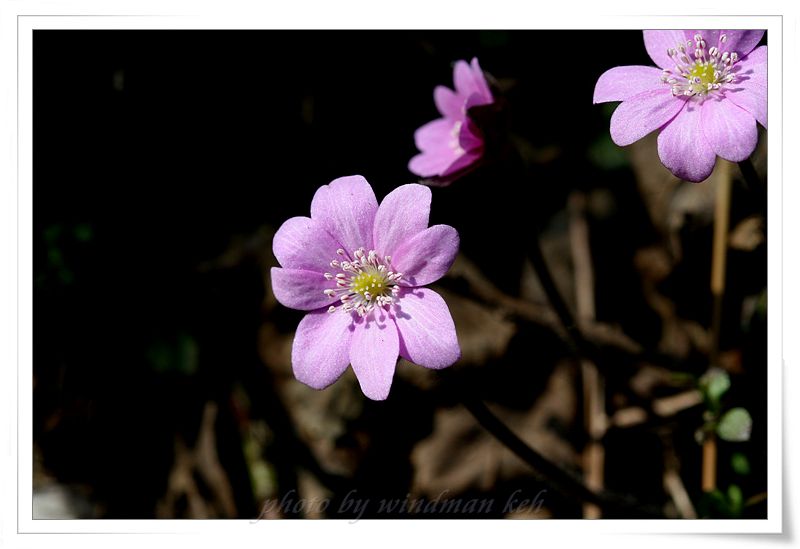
column 355, row 507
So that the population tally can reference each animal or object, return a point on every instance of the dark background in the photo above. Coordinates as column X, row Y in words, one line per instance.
column 156, row 153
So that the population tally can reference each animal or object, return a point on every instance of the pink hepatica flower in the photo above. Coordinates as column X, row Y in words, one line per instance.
column 359, row 270
column 706, row 97
column 453, row 143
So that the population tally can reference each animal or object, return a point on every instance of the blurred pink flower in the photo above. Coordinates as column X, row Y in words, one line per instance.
column 706, row 97
column 359, row 268
column 453, row 143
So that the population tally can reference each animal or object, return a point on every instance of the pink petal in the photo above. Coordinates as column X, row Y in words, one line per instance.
column 480, row 80
column 437, row 134
column 642, row 114
column 447, row 146
column 402, row 214
column 468, row 82
column 320, row 352
column 730, row 130
column 739, row 41
column 475, row 100
column 621, row 83
column 462, row 162
column 299, row 289
column 469, row 136
column 438, row 141
column 427, row 256
column 750, row 89
column 303, row 243
column 657, row 42
column 373, row 354
column 449, row 103
column 427, row 333
column 432, row 163
column 346, row 208
column 683, row 149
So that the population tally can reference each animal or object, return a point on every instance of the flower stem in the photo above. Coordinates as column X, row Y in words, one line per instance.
column 749, row 174
column 709, row 478
column 548, row 471
column 719, row 251
column 579, row 345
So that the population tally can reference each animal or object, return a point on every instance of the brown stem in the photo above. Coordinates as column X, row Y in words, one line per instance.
column 709, row 463
column 719, row 251
column 595, row 419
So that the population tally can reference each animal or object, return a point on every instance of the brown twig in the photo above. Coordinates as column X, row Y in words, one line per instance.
column 673, row 484
column 665, row 407
column 595, row 419
column 199, row 463
column 596, row 333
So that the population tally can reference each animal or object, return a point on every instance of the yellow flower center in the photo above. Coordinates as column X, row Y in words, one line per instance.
column 698, row 71
column 703, row 71
column 364, row 281
column 370, row 281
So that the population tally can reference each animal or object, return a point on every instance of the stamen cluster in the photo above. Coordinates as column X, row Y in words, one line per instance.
column 364, row 282
column 699, row 73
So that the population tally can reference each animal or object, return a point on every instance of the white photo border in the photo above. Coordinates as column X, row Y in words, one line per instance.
column 376, row 529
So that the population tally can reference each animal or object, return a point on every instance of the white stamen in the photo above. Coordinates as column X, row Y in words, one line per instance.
column 707, row 73
column 363, row 283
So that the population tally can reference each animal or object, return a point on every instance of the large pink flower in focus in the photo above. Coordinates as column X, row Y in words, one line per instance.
column 453, row 143
column 359, row 268
column 706, row 97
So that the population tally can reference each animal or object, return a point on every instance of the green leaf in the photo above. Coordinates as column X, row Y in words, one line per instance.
column 735, row 425
column 735, row 500
column 740, row 463
column 714, row 384
column 713, row 504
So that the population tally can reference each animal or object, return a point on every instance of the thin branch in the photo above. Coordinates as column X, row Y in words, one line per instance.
column 673, row 484
column 584, row 337
column 547, row 471
column 595, row 419
column 577, row 341
column 661, row 409
column 598, row 334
